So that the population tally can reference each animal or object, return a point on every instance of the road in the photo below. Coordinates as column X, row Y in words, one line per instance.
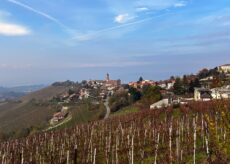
column 107, row 108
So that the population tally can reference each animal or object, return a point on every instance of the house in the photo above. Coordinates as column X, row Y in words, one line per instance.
column 59, row 116
column 162, row 84
column 167, row 84
column 147, row 83
column 160, row 104
column 133, row 84
column 170, row 84
column 221, row 93
column 206, row 82
column 56, row 118
column 202, row 94
column 141, row 84
column 169, row 100
column 224, row 68
column 84, row 93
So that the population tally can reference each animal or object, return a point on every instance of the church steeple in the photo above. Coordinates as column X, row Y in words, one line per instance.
column 107, row 77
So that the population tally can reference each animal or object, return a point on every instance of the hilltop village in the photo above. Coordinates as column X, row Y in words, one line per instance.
column 206, row 85
column 94, row 90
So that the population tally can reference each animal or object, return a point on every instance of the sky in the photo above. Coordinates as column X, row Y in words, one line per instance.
column 46, row 41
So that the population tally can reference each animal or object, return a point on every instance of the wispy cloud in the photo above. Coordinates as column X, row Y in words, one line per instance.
column 43, row 14
column 123, row 18
column 94, row 34
column 180, row 4
column 141, row 9
column 159, row 4
column 120, row 64
column 15, row 66
column 9, row 29
column 136, row 8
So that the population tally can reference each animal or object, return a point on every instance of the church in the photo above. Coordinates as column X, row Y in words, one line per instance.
column 112, row 83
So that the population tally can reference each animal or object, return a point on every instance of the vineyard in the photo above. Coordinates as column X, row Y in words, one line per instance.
column 195, row 133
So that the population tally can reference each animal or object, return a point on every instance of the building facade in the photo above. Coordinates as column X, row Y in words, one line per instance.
column 224, row 68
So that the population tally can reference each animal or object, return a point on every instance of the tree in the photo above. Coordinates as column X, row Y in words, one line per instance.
column 135, row 95
column 203, row 73
column 140, row 79
column 151, row 94
column 194, row 84
column 172, row 78
column 216, row 82
column 178, row 87
column 70, row 92
column 185, row 83
column 118, row 100
column 197, row 83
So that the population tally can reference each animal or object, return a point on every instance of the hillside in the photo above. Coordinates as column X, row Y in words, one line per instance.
column 45, row 93
column 32, row 111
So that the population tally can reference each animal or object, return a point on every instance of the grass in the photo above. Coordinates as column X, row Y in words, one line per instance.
column 31, row 111
column 22, row 116
column 84, row 112
column 126, row 110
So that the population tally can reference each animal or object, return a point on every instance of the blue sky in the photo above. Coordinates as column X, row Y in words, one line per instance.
column 45, row 41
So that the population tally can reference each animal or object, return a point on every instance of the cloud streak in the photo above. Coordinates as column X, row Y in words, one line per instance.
column 118, row 64
column 92, row 35
column 15, row 66
column 43, row 14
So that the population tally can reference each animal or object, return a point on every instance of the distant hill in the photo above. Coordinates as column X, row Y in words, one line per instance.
column 11, row 93
column 45, row 93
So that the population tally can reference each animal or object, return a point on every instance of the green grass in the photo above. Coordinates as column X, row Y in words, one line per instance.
column 126, row 110
column 176, row 113
column 83, row 113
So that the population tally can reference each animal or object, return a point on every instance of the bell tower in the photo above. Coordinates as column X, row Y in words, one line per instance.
column 107, row 77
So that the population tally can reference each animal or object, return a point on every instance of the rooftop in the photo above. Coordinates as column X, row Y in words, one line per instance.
column 226, row 65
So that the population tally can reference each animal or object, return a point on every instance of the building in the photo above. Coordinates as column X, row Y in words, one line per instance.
column 202, row 94
column 167, row 84
column 160, row 104
column 84, row 94
column 170, row 84
column 107, row 77
column 141, row 84
column 111, row 83
column 206, row 82
column 169, row 100
column 133, row 84
column 224, row 68
column 221, row 93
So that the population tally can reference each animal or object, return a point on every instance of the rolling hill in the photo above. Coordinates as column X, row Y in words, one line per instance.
column 31, row 111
